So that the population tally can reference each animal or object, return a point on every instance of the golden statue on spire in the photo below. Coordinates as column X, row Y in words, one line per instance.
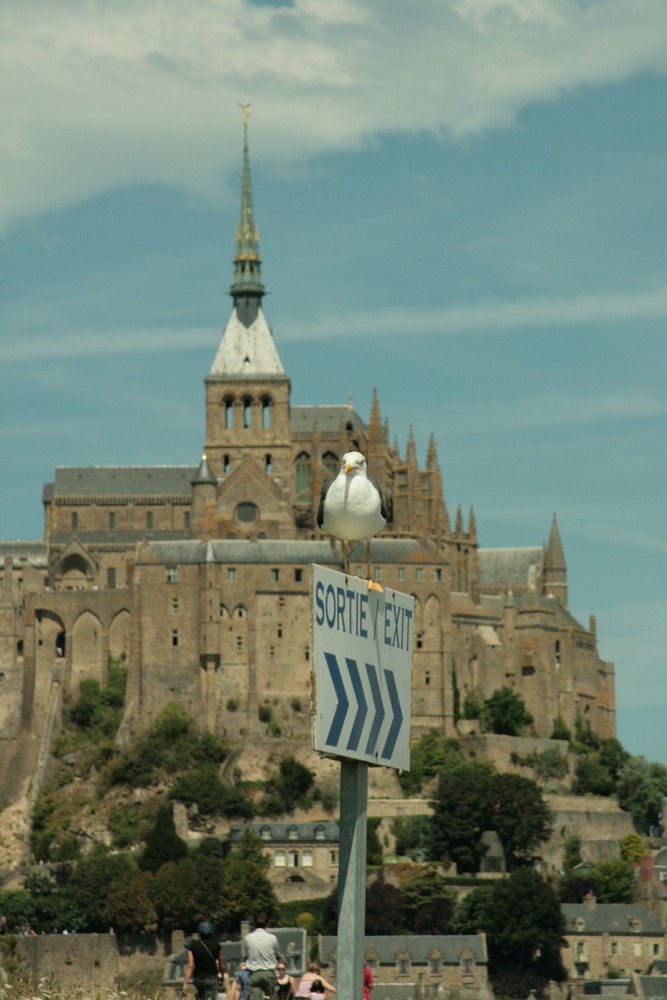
column 245, row 111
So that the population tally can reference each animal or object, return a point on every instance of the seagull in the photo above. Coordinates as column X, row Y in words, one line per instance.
column 352, row 508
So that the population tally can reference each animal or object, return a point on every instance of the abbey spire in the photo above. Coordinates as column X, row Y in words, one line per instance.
column 247, row 389
column 247, row 349
column 247, row 288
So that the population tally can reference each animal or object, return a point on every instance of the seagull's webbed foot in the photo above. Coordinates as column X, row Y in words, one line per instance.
column 374, row 585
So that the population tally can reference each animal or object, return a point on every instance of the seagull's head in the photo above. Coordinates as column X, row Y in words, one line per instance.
column 355, row 463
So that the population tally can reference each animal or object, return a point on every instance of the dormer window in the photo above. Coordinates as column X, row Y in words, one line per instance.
column 292, row 833
column 265, row 833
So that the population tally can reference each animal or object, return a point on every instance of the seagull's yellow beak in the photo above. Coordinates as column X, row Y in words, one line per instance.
column 349, row 468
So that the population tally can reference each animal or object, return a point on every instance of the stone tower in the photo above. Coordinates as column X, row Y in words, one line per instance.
column 247, row 390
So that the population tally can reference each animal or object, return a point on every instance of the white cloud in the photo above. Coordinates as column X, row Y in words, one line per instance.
column 149, row 340
column 105, row 95
column 493, row 315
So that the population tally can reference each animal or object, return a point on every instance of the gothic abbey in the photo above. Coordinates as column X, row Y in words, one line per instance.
column 198, row 578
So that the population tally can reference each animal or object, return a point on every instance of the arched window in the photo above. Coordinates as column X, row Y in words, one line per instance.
column 303, row 478
column 112, row 521
column 228, row 403
column 225, row 464
column 111, row 577
column 247, row 412
column 268, row 464
column 330, row 462
column 266, row 413
column 75, row 520
column 149, row 520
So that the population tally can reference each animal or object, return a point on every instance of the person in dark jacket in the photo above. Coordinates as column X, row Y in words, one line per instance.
column 206, row 964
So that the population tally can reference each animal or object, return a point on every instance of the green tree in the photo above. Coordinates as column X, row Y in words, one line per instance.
column 129, row 906
column 521, row 817
column 91, row 883
column 471, row 799
column 614, row 880
column 613, row 756
column 247, row 888
column 522, row 919
column 592, row 777
column 428, row 756
column 641, row 787
column 174, row 892
column 633, row 847
column 162, row 842
column 462, row 810
column 17, row 910
column 427, row 905
column 293, row 787
column 202, row 788
column 505, row 713
column 383, row 907
column 412, row 834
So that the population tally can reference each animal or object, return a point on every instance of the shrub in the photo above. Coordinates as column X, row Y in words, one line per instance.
column 551, row 764
column 265, row 713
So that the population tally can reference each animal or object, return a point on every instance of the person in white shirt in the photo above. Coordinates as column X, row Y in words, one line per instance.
column 262, row 956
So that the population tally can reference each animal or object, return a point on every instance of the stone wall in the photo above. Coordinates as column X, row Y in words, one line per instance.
column 98, row 961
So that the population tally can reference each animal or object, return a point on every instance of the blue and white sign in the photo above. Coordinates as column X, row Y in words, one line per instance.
column 362, row 670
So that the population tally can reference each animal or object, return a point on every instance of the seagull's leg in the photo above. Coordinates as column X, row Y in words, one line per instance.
column 343, row 545
column 372, row 584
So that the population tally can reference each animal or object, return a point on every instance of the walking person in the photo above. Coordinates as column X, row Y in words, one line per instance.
column 242, row 982
column 206, row 964
column 368, row 982
column 262, row 955
column 312, row 983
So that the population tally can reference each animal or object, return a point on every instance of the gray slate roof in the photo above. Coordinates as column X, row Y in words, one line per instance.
column 654, row 987
column 509, row 567
column 123, row 480
column 419, row 946
column 610, row 918
column 327, row 419
column 234, row 550
column 300, row 832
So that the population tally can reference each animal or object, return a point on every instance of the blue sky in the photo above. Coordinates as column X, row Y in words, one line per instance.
column 460, row 202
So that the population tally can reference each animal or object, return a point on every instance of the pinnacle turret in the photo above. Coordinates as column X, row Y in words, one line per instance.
column 555, row 567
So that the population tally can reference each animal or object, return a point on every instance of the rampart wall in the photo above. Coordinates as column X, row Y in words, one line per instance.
column 99, row 961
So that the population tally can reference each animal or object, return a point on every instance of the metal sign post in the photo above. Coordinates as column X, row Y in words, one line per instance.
column 361, row 701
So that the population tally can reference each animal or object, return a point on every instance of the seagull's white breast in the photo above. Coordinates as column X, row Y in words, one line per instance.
column 352, row 508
